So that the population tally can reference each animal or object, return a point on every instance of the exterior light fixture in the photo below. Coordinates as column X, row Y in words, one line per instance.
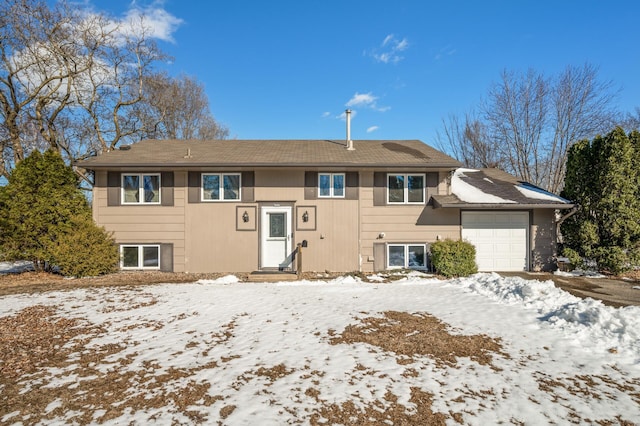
column 245, row 217
column 305, row 216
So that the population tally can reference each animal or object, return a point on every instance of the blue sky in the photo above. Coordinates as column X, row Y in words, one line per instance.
column 288, row 69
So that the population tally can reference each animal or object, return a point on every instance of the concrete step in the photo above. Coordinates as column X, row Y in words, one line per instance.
column 271, row 276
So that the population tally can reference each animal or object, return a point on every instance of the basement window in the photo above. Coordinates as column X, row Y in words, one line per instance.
column 331, row 185
column 140, row 256
column 406, row 256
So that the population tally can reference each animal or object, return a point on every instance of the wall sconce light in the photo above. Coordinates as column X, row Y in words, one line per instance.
column 245, row 217
column 305, row 216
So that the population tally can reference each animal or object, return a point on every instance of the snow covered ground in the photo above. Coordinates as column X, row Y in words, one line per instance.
column 264, row 354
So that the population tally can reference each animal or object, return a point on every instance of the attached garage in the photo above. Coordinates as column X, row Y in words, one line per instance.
column 501, row 239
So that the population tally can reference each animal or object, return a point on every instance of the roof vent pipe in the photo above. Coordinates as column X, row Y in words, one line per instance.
column 349, row 141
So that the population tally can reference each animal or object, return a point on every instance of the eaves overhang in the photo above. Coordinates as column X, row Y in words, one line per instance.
column 444, row 204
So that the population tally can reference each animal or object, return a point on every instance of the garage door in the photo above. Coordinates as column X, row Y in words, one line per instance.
column 501, row 239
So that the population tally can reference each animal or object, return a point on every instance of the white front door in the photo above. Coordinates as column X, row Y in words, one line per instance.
column 275, row 237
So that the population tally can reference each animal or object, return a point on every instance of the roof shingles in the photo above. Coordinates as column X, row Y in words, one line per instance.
column 270, row 153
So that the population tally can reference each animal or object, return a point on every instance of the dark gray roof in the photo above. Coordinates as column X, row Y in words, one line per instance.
column 273, row 153
column 495, row 189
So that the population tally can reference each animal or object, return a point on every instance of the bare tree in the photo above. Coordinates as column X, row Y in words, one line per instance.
column 178, row 108
column 38, row 57
column 580, row 109
column 69, row 80
column 516, row 111
column 468, row 141
column 528, row 122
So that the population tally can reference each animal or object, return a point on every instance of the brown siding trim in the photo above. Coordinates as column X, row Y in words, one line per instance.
column 248, row 183
column 310, row 185
column 379, row 188
column 379, row 257
column 166, row 188
column 432, row 186
column 166, row 257
column 352, row 185
column 113, row 188
column 194, row 187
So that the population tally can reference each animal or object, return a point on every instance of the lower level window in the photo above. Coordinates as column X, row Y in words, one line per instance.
column 408, row 256
column 140, row 256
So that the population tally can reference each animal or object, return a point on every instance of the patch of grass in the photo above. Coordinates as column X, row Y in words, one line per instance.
column 420, row 334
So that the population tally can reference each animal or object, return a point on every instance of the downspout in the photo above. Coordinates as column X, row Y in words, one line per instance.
column 573, row 211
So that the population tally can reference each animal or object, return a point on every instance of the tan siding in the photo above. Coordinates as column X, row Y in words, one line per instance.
column 214, row 243
column 401, row 223
column 333, row 245
column 279, row 185
column 144, row 224
column 206, row 238
column 543, row 240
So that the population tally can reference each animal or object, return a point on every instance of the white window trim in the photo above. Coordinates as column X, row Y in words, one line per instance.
column 406, row 256
column 221, row 188
column 140, row 189
column 331, row 187
column 406, row 189
column 140, row 257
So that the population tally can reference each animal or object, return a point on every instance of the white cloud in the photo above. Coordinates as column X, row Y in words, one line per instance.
column 366, row 100
column 372, row 129
column 389, row 50
column 445, row 51
column 159, row 23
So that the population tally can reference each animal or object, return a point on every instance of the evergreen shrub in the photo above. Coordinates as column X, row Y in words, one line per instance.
column 575, row 260
column 454, row 258
column 86, row 250
column 46, row 219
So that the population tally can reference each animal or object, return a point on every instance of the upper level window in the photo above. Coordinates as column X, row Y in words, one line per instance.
column 405, row 188
column 141, row 188
column 220, row 186
column 331, row 185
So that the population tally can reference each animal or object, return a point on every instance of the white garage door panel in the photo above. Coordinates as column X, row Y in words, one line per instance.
column 500, row 238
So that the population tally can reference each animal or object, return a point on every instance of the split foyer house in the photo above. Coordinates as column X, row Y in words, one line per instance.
column 364, row 205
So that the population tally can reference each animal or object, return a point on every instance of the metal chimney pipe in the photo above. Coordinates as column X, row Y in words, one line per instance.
column 349, row 141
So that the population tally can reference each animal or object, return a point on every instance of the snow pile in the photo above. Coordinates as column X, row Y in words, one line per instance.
column 604, row 328
column 579, row 273
column 15, row 267
column 227, row 279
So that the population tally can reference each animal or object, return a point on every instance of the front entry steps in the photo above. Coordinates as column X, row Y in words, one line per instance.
column 271, row 276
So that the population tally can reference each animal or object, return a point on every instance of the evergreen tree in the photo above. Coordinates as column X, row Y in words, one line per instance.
column 41, row 206
column 603, row 178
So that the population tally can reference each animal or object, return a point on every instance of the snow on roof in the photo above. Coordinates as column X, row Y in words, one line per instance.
column 472, row 194
column 534, row 192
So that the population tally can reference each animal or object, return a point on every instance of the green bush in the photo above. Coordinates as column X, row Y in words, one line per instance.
column 84, row 250
column 575, row 260
column 612, row 259
column 46, row 219
column 454, row 258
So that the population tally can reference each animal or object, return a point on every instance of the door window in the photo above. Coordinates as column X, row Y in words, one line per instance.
column 277, row 225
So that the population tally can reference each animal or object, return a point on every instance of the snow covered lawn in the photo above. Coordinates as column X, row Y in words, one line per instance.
column 479, row 350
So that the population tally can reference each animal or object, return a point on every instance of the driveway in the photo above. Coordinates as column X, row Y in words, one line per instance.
column 612, row 292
